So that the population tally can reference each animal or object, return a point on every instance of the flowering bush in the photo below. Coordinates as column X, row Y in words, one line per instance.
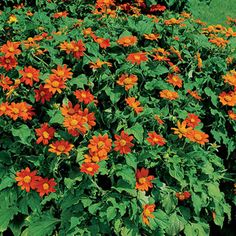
column 113, row 121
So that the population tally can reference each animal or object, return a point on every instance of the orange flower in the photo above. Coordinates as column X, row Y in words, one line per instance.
column 168, row 94
column 75, row 122
column 69, row 110
column 219, row 42
column 176, row 52
column 104, row 3
column 192, row 120
column 158, row 119
column 173, row 67
column 143, row 180
column 78, row 49
column 60, row 147
column 42, row 94
column 131, row 101
column 151, row 36
column 197, row 136
column 89, row 118
column 99, row 64
column 93, row 157
column 45, row 186
column 147, row 213
column 89, row 168
column 199, row 61
column 63, row 72
column 67, row 47
column 228, row 99
column 181, row 130
column 3, row 108
column 137, row 57
column 230, row 78
column 100, row 144
column 10, row 49
column 5, row 82
column 231, row 114
column 54, row 84
column 26, row 180
column 29, row 75
column 20, row 110
column 128, row 81
column 103, row 43
column 155, row 139
column 157, row 7
column 127, row 41
column 60, row 14
column 45, row 134
column 175, row 80
column 173, row 21
column 161, row 54
column 123, row 143
column 84, row 96
column 8, row 63
column 194, row 94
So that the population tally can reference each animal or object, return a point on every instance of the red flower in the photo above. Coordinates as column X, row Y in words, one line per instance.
column 137, row 57
column 63, row 72
column 29, row 75
column 123, row 143
column 157, row 7
column 155, row 139
column 84, row 96
column 143, row 181
column 192, row 120
column 45, row 134
column 78, row 49
column 89, row 168
column 8, row 63
column 54, row 84
column 60, row 147
column 26, row 180
column 103, row 43
column 5, row 82
column 147, row 210
column 10, row 49
column 42, row 94
column 45, row 186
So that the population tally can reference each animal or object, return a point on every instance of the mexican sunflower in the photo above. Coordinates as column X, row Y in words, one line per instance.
column 10, row 49
column 197, row 136
column 8, row 63
column 231, row 114
column 192, row 120
column 60, row 147
column 89, row 168
column 75, row 122
column 3, row 108
column 98, row 64
column 89, row 117
column 133, row 103
column 69, row 109
column 100, row 144
column 175, row 80
column 62, row 72
column 84, row 96
column 147, row 213
column 181, row 129
column 44, row 133
column 123, row 143
column 155, row 139
column 29, row 75
column 54, row 84
column 230, row 78
column 5, row 82
column 45, row 186
column 228, row 99
column 93, row 157
column 128, row 81
column 194, row 94
column 143, row 180
column 168, row 94
column 26, row 179
column 42, row 94
column 103, row 43
column 127, row 41
column 137, row 58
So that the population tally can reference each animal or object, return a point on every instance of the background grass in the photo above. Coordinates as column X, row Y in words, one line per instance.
column 214, row 11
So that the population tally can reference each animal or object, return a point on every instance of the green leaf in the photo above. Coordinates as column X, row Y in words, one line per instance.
column 7, row 214
column 137, row 130
column 169, row 202
column 212, row 95
column 111, row 213
column 175, row 225
column 56, row 117
column 6, row 182
column 24, row 133
column 43, row 226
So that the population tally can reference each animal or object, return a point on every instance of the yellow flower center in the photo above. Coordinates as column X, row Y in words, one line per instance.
column 15, row 110
column 27, row 179
column 61, row 148
column 101, row 144
column 55, row 84
column 45, row 186
column 127, row 40
column 228, row 98
column 155, row 140
column 142, row 180
column 122, row 142
column 198, row 137
column 83, row 95
column 45, row 134
column 60, row 73
column 11, row 49
column 95, row 159
column 90, row 169
column 192, row 120
column 7, row 61
column 137, row 57
column 29, row 75
column 74, row 122
column 42, row 93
